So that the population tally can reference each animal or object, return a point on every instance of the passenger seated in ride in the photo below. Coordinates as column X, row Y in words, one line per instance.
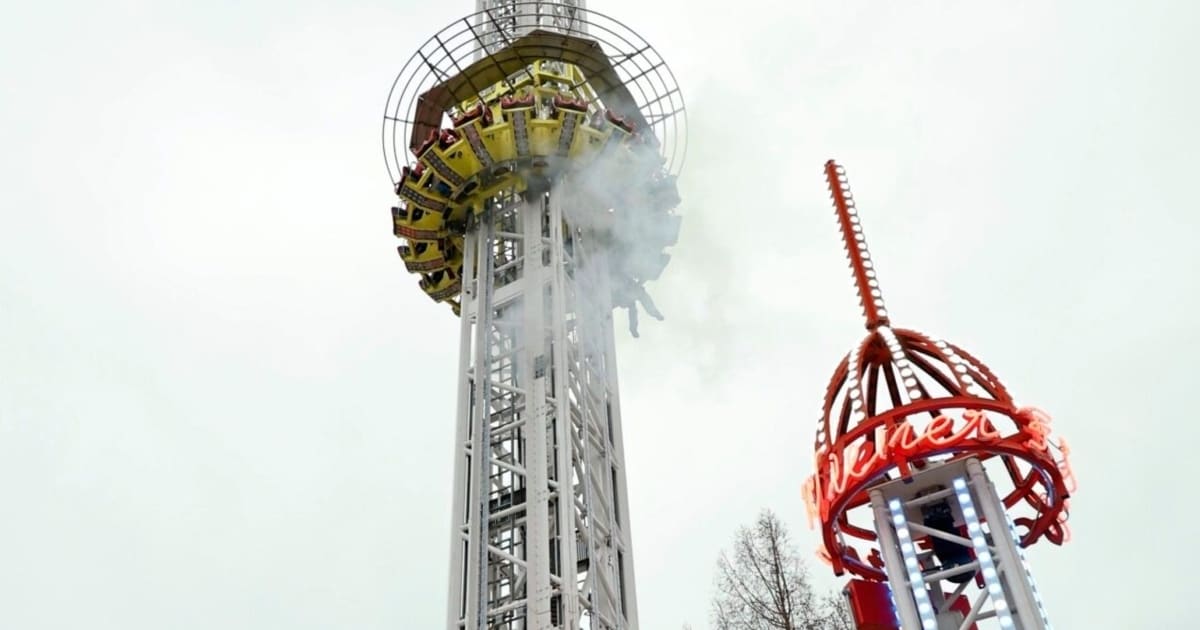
column 478, row 111
column 619, row 121
column 596, row 120
column 641, row 296
column 441, row 187
column 627, row 295
column 622, row 299
column 565, row 102
column 938, row 516
column 447, row 138
column 427, row 143
column 444, row 139
column 510, row 102
column 409, row 174
column 545, row 109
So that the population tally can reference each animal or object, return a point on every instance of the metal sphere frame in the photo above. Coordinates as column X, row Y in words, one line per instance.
column 1035, row 466
column 638, row 65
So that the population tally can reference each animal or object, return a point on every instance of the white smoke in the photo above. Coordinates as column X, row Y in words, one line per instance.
column 623, row 202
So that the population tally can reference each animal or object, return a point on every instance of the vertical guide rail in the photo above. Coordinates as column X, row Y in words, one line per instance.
column 482, row 446
column 575, row 485
column 533, row 370
column 459, row 531
column 627, row 591
column 540, row 516
column 582, row 289
column 564, row 432
column 500, row 22
column 1017, row 580
column 604, row 517
column 906, row 607
column 999, row 585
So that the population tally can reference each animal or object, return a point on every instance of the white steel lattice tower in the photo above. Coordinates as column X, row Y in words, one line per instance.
column 502, row 21
column 537, row 193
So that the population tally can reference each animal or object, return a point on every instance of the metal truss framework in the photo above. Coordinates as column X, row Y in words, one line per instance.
column 990, row 578
column 540, row 516
column 499, row 22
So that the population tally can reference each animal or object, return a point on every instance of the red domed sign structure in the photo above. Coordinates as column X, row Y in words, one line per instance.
column 904, row 407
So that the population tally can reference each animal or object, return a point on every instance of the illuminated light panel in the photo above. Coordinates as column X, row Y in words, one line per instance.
column 856, row 246
column 902, row 364
column 895, row 606
column 852, row 385
column 960, row 369
column 915, row 579
column 902, row 440
column 1037, row 596
column 990, row 577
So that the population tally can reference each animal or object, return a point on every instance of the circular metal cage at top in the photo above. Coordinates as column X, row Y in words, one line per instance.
column 632, row 77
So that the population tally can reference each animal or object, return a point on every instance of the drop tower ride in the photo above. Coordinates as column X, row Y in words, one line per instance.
column 930, row 480
column 533, row 146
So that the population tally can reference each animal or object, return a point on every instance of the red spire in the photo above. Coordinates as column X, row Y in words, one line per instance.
column 900, row 400
column 856, row 247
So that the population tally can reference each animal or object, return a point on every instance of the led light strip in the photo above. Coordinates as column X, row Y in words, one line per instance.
column 895, row 606
column 915, row 579
column 990, row 576
column 1037, row 597
column 908, row 377
column 962, row 369
column 857, row 394
column 855, row 242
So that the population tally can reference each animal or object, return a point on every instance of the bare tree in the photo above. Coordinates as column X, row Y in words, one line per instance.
column 836, row 613
column 762, row 584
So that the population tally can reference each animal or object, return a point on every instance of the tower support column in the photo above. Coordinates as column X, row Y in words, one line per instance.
column 548, row 198
column 540, row 524
column 951, row 555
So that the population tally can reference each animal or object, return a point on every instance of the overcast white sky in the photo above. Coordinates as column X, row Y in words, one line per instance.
column 224, row 404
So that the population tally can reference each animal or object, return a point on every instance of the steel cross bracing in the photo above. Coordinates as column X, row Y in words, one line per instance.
column 507, row 20
column 540, row 520
column 981, row 576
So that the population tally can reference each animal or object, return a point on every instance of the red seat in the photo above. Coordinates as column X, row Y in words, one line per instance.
column 618, row 121
column 565, row 102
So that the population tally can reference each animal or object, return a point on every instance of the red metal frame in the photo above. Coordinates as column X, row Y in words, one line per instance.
column 873, row 416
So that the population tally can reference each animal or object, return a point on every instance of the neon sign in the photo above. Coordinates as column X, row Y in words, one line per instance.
column 1064, row 466
column 896, row 444
column 1038, row 427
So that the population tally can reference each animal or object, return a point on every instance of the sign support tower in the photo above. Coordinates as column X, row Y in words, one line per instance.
column 930, row 480
column 533, row 147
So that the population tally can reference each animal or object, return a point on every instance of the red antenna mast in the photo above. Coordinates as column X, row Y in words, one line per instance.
column 856, row 247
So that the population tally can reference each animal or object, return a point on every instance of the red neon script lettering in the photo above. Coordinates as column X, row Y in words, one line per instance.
column 809, row 492
column 1037, row 427
column 1064, row 467
column 859, row 460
